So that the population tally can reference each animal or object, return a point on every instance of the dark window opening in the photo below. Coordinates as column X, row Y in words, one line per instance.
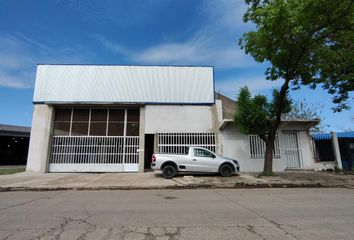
column 62, row 128
column 13, row 150
column 96, row 122
column 81, row 115
column 63, row 115
column 115, row 129
column 98, row 128
column 116, row 115
column 79, row 129
column 62, row 121
column 132, row 129
column 133, row 115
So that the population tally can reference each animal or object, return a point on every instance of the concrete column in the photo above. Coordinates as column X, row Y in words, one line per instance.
column 216, row 111
column 39, row 147
column 142, row 139
column 336, row 150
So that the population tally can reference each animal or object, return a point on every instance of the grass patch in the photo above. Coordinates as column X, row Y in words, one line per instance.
column 4, row 171
column 267, row 175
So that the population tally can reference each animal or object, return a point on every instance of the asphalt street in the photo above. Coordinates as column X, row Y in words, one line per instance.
column 179, row 214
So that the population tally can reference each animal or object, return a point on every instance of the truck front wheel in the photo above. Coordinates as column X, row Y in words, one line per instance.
column 169, row 171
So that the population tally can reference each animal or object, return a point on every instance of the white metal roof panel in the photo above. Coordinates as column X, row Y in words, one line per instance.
column 124, row 84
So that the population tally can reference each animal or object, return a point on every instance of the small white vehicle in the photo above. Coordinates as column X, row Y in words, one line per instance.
column 197, row 160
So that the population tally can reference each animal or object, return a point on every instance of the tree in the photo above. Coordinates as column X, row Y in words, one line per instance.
column 306, row 42
column 257, row 115
column 304, row 110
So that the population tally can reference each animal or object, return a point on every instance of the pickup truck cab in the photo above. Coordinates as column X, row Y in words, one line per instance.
column 197, row 160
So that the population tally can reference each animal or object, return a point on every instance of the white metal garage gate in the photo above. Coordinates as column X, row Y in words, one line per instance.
column 95, row 140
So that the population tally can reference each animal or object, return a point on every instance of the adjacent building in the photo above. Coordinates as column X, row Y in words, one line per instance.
column 109, row 118
column 14, row 141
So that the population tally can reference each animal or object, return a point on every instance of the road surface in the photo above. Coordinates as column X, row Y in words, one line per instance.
column 179, row 214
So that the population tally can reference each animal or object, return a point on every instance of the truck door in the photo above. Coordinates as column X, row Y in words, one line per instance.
column 203, row 161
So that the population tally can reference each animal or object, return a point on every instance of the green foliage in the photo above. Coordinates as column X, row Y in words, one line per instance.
column 267, row 175
column 337, row 169
column 256, row 115
column 307, row 42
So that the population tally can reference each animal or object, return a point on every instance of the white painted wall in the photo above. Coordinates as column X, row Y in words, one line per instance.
column 178, row 119
column 236, row 146
column 38, row 152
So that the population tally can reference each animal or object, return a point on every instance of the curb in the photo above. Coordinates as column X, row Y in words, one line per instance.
column 176, row 187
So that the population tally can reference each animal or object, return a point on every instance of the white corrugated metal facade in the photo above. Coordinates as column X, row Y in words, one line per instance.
column 124, row 84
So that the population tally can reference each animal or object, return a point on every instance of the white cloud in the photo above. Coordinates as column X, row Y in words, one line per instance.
column 193, row 52
column 13, row 81
column 215, row 43
column 12, row 62
column 20, row 54
column 114, row 47
column 256, row 84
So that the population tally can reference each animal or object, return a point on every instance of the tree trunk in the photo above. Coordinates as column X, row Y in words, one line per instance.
column 268, row 159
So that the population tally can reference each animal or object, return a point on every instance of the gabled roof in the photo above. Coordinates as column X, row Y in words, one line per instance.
column 12, row 130
column 107, row 84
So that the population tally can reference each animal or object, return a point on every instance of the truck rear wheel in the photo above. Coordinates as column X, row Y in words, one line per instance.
column 169, row 172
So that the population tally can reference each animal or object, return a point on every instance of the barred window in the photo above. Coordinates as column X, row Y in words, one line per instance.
column 258, row 147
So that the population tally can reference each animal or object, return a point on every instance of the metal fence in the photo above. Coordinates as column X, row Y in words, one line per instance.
column 178, row 143
column 323, row 149
column 346, row 147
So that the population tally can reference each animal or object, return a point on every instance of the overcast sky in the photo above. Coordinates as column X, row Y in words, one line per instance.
column 140, row 32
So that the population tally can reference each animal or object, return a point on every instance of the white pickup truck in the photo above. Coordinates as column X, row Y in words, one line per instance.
column 197, row 160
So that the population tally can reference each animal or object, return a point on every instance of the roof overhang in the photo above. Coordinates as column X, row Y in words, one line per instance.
column 225, row 122
column 300, row 123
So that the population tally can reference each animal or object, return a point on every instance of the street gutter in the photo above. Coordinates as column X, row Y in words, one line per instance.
column 186, row 186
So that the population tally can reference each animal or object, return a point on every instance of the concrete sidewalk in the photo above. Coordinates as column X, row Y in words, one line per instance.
column 153, row 180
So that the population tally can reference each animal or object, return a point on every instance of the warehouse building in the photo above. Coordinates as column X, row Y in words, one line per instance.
column 111, row 118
